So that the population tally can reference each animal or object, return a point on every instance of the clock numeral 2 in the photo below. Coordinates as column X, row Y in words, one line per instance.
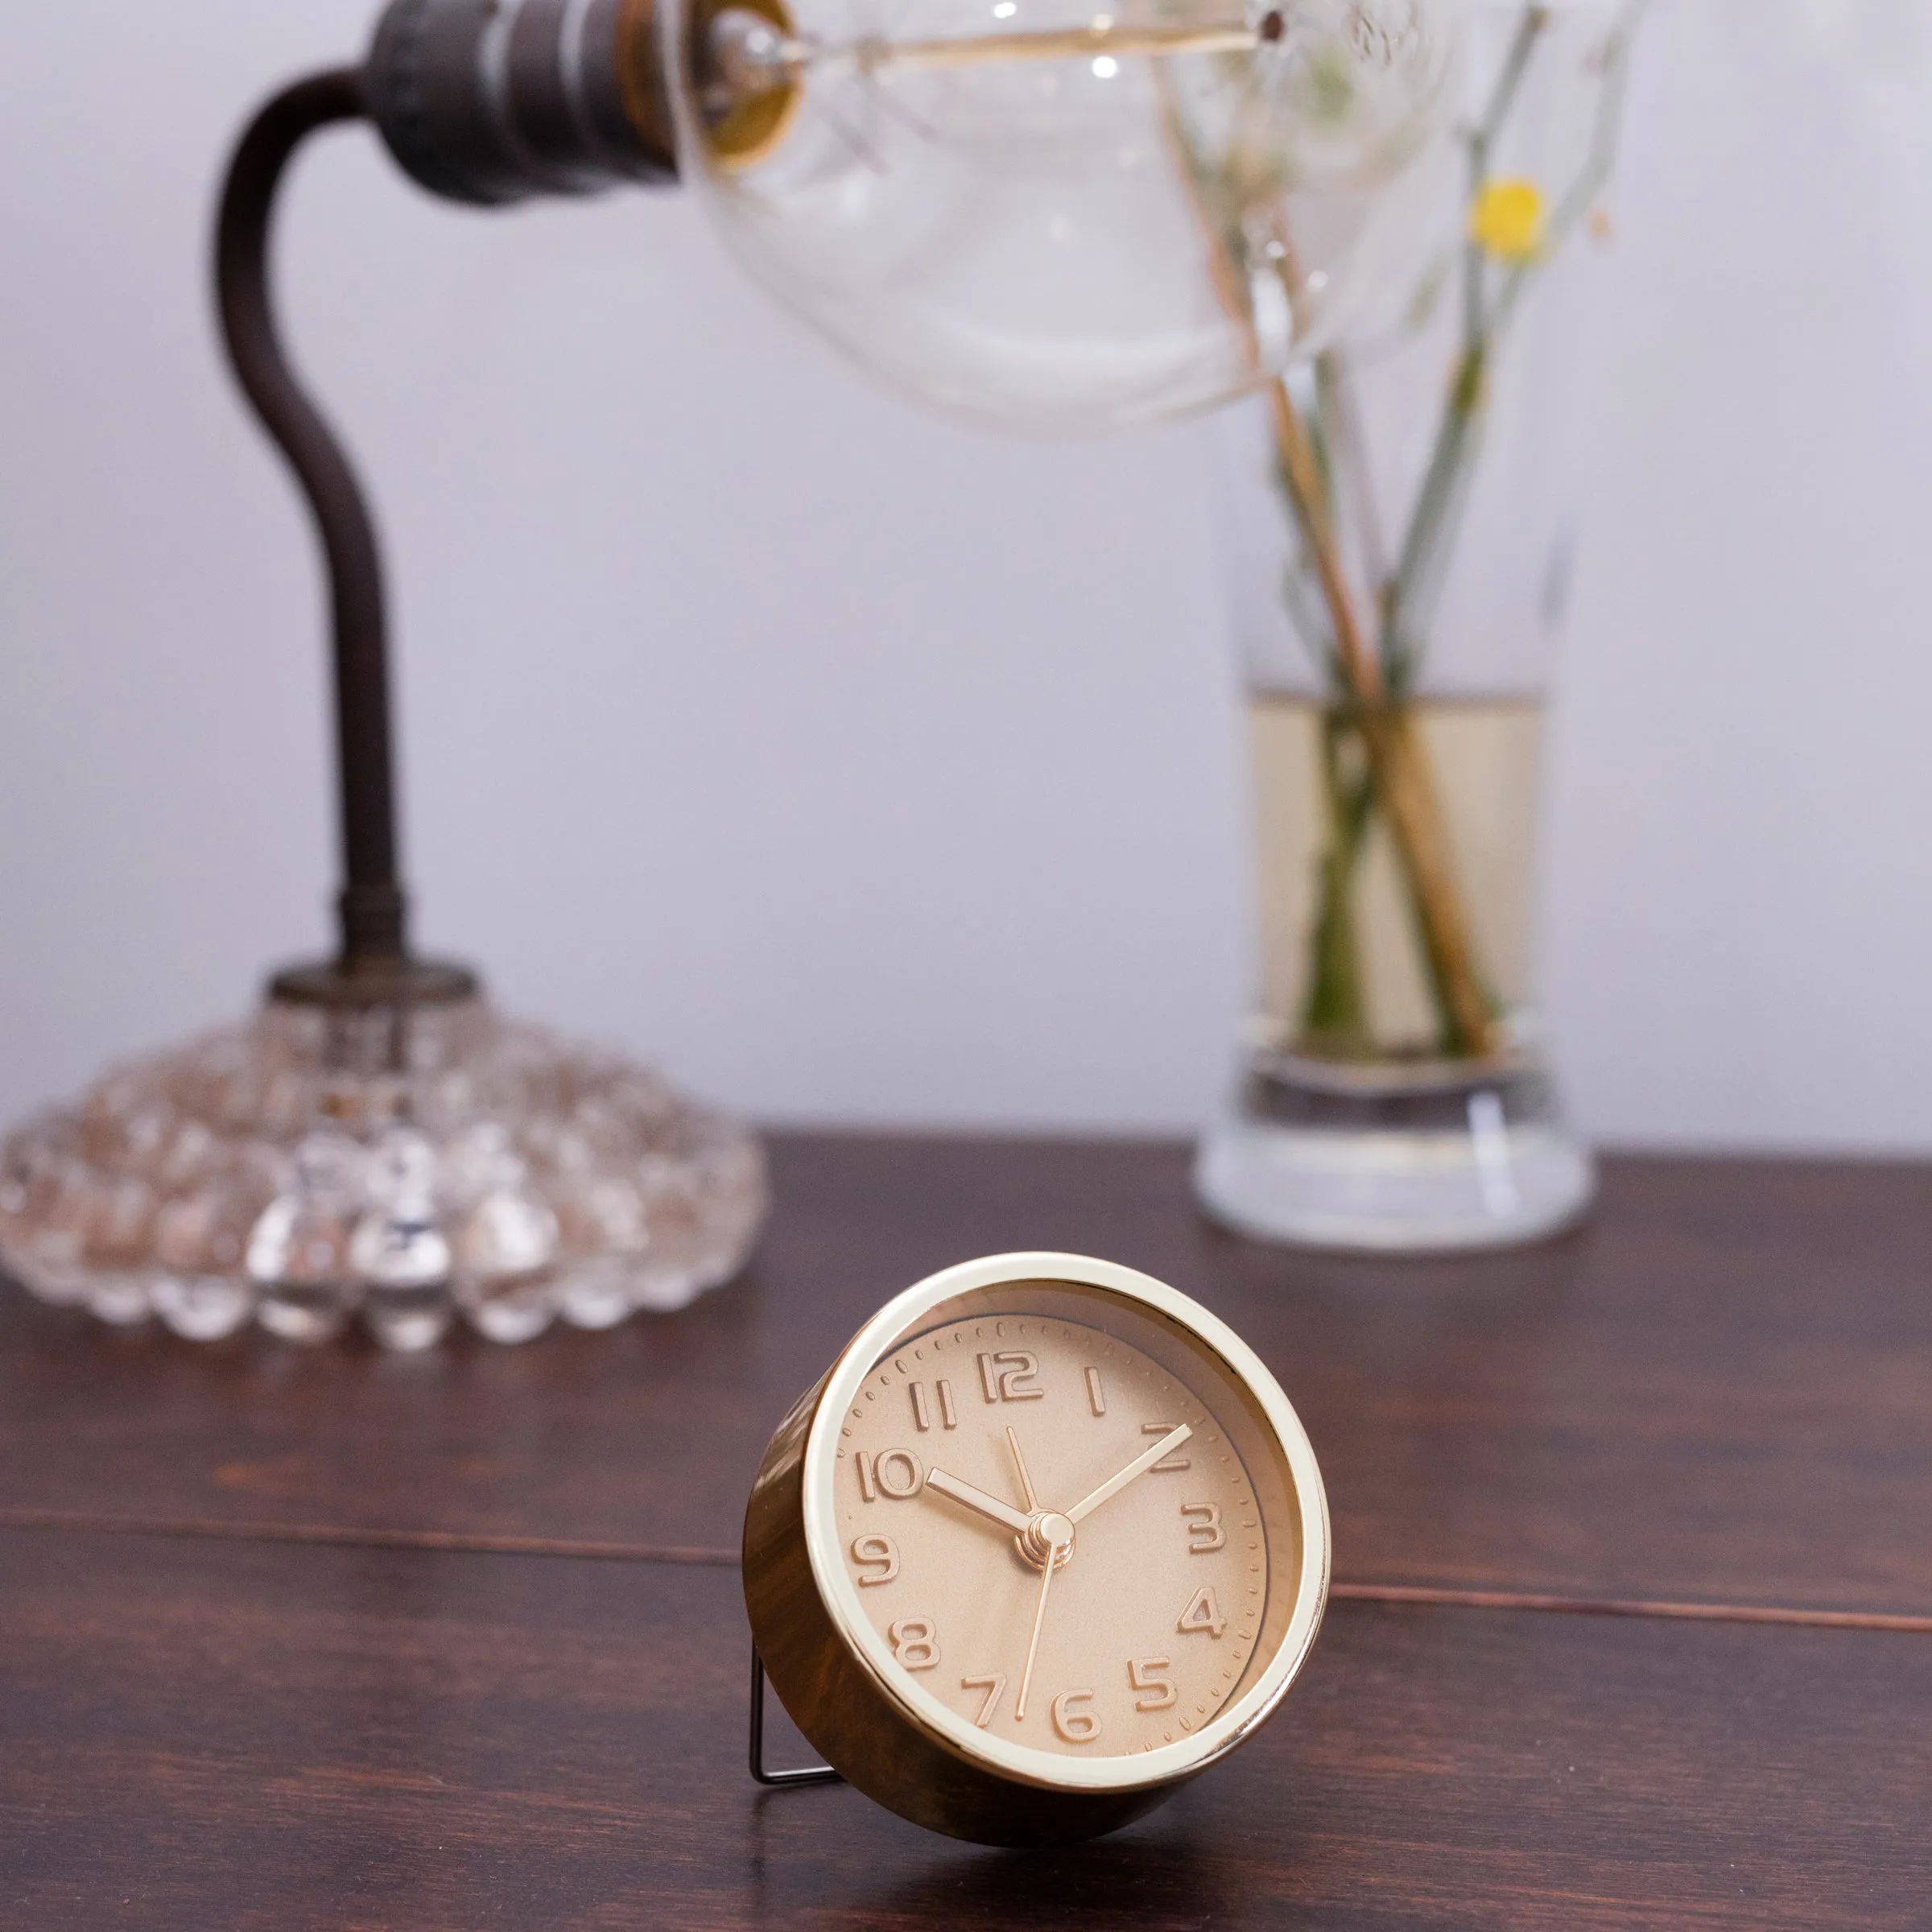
column 921, row 1411
column 994, row 1685
column 893, row 1472
column 1203, row 1614
column 1206, row 1534
column 1076, row 1724
column 1168, row 1465
column 914, row 1642
column 876, row 1556
column 1004, row 1376
column 1148, row 1677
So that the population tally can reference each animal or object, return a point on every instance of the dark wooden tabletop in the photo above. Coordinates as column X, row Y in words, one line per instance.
column 1632, row 1623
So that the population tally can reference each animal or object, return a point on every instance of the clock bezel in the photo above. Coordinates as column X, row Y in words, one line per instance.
column 1025, row 1764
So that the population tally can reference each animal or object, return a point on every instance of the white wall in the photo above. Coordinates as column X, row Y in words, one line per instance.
column 859, row 766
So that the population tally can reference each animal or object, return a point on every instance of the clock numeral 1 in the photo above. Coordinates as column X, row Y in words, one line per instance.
column 1206, row 1534
column 878, row 1556
column 914, row 1642
column 1148, row 1677
column 921, row 1411
column 1168, row 1465
column 1004, row 1377
column 1202, row 1615
column 1096, row 1396
column 994, row 1685
column 1075, row 1724
column 894, row 1472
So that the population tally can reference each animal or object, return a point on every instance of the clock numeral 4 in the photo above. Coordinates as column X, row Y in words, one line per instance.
column 1205, row 1530
column 1008, row 1377
column 897, row 1473
column 922, row 1409
column 1072, row 1719
column 878, row 1558
column 1202, row 1615
column 1148, row 1677
column 994, row 1685
column 1168, row 1465
column 915, row 1643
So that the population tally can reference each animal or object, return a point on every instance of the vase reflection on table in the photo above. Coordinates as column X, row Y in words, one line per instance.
column 1403, row 538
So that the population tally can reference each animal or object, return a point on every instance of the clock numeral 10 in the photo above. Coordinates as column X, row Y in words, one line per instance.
column 1205, row 1530
column 878, row 1558
column 1148, row 1677
column 921, row 1410
column 1202, row 1615
column 914, row 1642
column 1071, row 1718
column 994, row 1685
column 1168, row 1465
column 1006, row 1376
column 894, row 1472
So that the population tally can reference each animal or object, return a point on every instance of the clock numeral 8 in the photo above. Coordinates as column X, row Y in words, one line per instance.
column 1148, row 1676
column 878, row 1556
column 914, row 1642
column 1076, row 1724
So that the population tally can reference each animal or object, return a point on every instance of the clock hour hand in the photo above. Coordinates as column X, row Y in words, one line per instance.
column 1141, row 1464
column 1003, row 1513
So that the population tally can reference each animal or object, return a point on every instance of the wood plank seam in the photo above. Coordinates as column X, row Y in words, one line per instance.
column 570, row 1548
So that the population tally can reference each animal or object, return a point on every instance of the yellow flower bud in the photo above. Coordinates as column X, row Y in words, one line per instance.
column 1507, row 219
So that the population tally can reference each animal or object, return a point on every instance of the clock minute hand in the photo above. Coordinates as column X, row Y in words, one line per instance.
column 1004, row 1513
column 1141, row 1464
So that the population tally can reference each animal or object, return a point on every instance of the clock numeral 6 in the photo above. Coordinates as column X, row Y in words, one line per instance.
column 1148, row 1677
column 1073, row 1722
column 894, row 1472
column 877, row 1556
column 1008, row 1377
column 914, row 1642
column 1205, row 1530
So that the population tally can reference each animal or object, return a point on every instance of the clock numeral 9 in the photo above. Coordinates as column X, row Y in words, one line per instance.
column 1004, row 1377
column 1205, row 1533
column 1074, row 1723
column 914, row 1642
column 1148, row 1677
column 894, row 1472
column 877, row 1556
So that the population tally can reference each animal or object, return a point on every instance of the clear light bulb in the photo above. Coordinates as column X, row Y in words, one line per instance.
column 1057, row 217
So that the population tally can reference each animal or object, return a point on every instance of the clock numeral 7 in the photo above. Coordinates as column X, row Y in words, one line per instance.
column 1008, row 1377
column 994, row 1685
column 1148, row 1677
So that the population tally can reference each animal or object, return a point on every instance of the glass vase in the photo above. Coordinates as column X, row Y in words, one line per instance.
column 1401, row 527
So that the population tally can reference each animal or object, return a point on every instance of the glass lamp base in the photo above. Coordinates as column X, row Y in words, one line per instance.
column 406, row 1168
column 1393, row 1159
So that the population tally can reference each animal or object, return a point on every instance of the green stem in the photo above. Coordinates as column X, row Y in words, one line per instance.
column 1334, row 1016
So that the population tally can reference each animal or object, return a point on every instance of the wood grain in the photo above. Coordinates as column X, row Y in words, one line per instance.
column 1720, row 1393
column 277, row 1737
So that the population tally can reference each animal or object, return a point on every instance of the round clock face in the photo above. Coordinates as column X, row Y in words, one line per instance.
column 1069, row 1523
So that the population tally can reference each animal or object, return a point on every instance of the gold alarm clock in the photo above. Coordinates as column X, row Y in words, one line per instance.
column 1044, row 1542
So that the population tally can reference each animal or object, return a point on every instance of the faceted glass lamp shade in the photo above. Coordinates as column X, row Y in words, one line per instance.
column 406, row 1168
column 1065, row 213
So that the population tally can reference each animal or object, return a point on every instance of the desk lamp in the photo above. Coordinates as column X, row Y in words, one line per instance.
column 1040, row 213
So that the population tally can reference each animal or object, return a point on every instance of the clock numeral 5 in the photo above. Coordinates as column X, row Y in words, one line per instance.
column 994, row 1685
column 914, row 1642
column 1006, row 1376
column 1148, row 1676
column 894, row 1472
column 1205, row 1533
column 877, row 1556
column 1071, row 1718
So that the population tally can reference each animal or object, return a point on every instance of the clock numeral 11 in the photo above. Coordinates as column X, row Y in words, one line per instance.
column 921, row 1411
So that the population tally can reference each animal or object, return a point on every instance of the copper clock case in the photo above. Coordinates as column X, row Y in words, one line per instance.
column 890, row 1735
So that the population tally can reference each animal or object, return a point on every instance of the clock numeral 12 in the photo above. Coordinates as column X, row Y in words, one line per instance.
column 1006, row 1376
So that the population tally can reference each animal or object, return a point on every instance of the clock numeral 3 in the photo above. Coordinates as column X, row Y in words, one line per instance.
column 1168, row 1465
column 1148, row 1677
column 1205, row 1533
column 1076, row 1724
column 897, row 1473
column 914, row 1642
column 1008, row 1377
column 1202, row 1615
column 878, row 1556
column 994, row 1685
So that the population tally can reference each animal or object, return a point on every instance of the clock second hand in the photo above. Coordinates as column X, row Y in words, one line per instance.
column 1057, row 1533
